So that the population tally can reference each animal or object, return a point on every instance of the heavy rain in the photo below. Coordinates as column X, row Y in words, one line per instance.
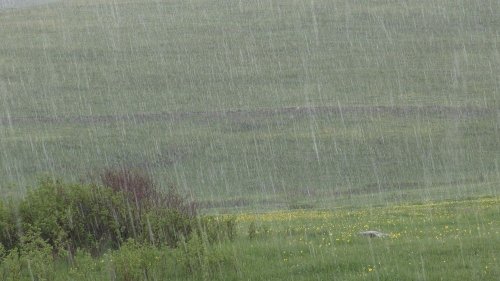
column 249, row 140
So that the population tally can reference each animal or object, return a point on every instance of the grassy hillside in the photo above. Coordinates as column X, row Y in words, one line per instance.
column 244, row 157
column 256, row 101
column 106, row 57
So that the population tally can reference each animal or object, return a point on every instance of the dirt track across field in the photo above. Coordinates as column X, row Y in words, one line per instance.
column 342, row 111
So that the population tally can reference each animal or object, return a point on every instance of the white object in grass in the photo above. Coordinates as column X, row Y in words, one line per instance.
column 373, row 233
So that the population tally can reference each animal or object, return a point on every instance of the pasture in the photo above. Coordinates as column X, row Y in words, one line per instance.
column 253, row 102
column 327, row 117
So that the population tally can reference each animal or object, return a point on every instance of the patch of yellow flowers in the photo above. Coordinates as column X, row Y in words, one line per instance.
column 342, row 225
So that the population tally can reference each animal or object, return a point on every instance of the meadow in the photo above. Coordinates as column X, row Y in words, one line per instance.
column 305, row 121
column 446, row 240
column 252, row 103
column 273, row 159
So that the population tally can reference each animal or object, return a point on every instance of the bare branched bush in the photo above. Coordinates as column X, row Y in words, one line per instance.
column 136, row 184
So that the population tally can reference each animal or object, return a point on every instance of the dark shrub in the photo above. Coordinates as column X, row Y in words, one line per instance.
column 139, row 188
column 135, row 184
column 164, row 216
column 169, row 218
column 173, row 200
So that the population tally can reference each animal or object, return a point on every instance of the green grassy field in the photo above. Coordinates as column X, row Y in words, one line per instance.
column 101, row 57
column 447, row 240
column 130, row 56
column 262, row 159
column 329, row 117
column 251, row 103
column 436, row 241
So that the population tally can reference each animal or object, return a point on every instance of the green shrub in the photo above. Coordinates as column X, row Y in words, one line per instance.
column 203, row 261
column 77, row 216
column 166, row 226
column 2, row 252
column 10, row 268
column 260, row 230
column 9, row 236
column 31, row 260
column 95, row 218
column 36, row 256
column 84, row 266
column 217, row 228
column 131, row 262
column 78, row 220
column 252, row 231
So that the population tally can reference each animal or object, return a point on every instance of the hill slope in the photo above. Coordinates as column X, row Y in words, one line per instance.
column 242, row 101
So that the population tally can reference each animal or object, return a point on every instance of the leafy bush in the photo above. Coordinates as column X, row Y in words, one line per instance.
column 166, row 226
column 79, row 221
column 92, row 217
column 77, row 216
column 10, row 268
column 36, row 256
column 84, row 266
column 31, row 260
column 217, row 228
column 8, row 226
column 2, row 252
column 202, row 261
column 131, row 262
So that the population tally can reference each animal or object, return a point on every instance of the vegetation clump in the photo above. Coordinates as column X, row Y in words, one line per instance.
column 159, row 217
column 125, row 222
column 99, row 217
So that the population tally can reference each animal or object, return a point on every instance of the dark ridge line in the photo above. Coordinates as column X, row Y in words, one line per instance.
column 398, row 111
